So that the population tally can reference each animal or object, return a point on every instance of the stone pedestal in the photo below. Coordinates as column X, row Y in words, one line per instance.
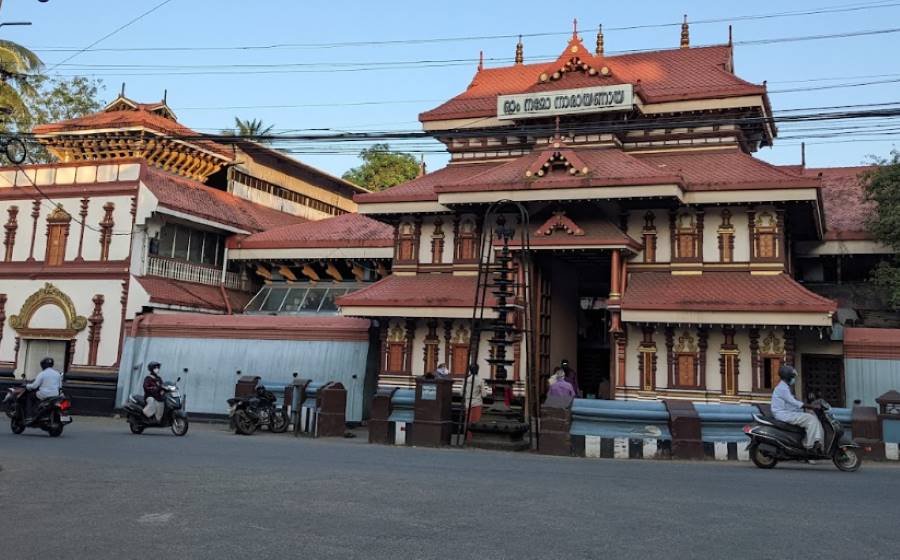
column 556, row 420
column 379, row 427
column 501, row 427
column 332, row 410
column 684, row 423
column 432, row 425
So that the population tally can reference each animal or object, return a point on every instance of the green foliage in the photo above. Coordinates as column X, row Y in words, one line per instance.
column 382, row 168
column 882, row 186
column 17, row 66
column 249, row 128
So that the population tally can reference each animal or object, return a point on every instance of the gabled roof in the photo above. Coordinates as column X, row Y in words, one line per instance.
column 844, row 200
column 124, row 113
column 190, row 197
column 721, row 291
column 658, row 76
column 188, row 294
column 725, row 169
column 580, row 229
column 346, row 230
column 422, row 290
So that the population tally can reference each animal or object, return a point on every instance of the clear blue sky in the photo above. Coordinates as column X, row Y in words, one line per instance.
column 205, row 101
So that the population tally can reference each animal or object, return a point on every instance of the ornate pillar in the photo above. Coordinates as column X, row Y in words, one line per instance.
column 96, row 325
column 647, row 359
column 728, row 364
column 699, row 239
column 670, row 356
column 755, row 369
column 382, row 342
column 726, row 238
column 702, row 345
column 2, row 314
column 82, row 212
column 649, row 236
column 106, row 230
column 790, row 345
column 751, row 229
column 408, row 347
column 9, row 240
column 615, row 270
column 437, row 242
column 35, row 214
column 431, row 347
column 448, row 334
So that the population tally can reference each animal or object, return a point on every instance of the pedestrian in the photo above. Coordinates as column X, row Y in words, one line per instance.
column 442, row 372
column 559, row 386
column 473, row 387
column 571, row 376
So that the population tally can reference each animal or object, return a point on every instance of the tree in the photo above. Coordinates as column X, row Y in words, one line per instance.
column 882, row 187
column 250, row 128
column 382, row 168
column 17, row 65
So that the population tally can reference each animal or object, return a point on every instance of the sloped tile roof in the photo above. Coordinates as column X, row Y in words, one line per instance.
column 423, row 290
column 666, row 75
column 725, row 169
column 254, row 327
column 721, row 291
column 595, row 230
column 346, row 230
column 843, row 198
column 188, row 196
column 188, row 294
column 422, row 188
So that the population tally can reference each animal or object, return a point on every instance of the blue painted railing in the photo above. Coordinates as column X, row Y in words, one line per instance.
column 620, row 419
column 724, row 422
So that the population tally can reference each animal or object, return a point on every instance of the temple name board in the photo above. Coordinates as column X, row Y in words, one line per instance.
column 567, row 101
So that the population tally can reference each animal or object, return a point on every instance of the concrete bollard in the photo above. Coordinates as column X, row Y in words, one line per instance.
column 380, row 430
column 684, row 424
column 433, row 423
column 556, row 421
column 332, row 420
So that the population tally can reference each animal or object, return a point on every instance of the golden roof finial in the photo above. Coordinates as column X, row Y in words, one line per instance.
column 480, row 61
column 520, row 51
column 685, row 34
column 599, row 51
column 575, row 28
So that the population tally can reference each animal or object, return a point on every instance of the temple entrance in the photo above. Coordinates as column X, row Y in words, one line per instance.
column 593, row 352
column 37, row 349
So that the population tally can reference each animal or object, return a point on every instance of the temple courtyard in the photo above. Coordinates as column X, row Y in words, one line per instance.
column 99, row 492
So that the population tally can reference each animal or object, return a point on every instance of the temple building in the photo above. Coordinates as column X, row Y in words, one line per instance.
column 133, row 220
column 666, row 260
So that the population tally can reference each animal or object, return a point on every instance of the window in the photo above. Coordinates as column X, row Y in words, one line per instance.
column 274, row 301
column 57, row 236
column 182, row 240
column 726, row 238
column 406, row 243
column 766, row 236
column 459, row 359
column 687, row 367
column 195, row 247
column 177, row 241
column 210, row 249
column 770, row 368
column 283, row 193
column 685, row 237
column 465, row 243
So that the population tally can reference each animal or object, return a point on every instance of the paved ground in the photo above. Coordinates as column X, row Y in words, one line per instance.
column 101, row 493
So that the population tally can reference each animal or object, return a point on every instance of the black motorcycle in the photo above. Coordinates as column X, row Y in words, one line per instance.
column 772, row 441
column 248, row 414
column 50, row 415
column 174, row 416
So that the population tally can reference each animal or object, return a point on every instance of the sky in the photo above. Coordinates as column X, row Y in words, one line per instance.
column 308, row 78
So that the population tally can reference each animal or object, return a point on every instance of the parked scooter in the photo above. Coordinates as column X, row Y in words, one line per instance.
column 50, row 415
column 772, row 441
column 174, row 416
column 248, row 414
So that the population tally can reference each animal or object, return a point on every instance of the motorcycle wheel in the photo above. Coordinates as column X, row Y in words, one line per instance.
column 16, row 425
column 847, row 459
column 243, row 424
column 136, row 429
column 760, row 459
column 280, row 422
column 56, row 426
column 179, row 426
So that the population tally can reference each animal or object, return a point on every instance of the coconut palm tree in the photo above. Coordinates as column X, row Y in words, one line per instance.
column 17, row 66
column 251, row 129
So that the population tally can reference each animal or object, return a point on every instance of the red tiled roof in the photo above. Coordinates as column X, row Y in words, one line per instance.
column 658, row 76
column 606, row 167
column 188, row 294
column 874, row 344
column 422, row 188
column 255, row 327
column 725, row 169
column 845, row 206
column 720, row 291
column 188, row 196
column 346, row 230
column 594, row 230
column 141, row 116
column 423, row 290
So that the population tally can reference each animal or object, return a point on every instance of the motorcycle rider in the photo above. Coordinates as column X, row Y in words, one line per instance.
column 153, row 393
column 46, row 385
column 786, row 408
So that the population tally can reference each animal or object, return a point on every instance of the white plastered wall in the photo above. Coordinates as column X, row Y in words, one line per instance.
column 663, row 238
column 711, row 222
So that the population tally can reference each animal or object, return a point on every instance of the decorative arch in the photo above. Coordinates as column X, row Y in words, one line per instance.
column 48, row 295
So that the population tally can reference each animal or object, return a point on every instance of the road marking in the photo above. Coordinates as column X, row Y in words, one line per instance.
column 155, row 518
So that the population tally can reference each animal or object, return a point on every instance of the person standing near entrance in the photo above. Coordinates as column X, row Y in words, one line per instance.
column 559, row 386
column 571, row 376
column 46, row 385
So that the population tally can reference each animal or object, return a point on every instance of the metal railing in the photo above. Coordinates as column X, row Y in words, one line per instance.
column 191, row 272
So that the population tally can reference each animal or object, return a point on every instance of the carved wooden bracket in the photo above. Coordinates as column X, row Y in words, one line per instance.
column 559, row 221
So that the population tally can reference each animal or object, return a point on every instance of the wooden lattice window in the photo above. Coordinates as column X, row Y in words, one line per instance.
column 459, row 352
column 432, row 348
column 406, row 243
column 396, row 350
column 771, row 357
column 766, row 236
column 647, row 363
column 686, row 237
column 57, row 236
column 466, row 244
column 686, row 362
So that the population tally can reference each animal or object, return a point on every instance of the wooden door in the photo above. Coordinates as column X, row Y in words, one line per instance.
column 823, row 376
column 687, row 368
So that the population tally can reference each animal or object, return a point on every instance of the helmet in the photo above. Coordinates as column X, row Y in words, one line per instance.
column 47, row 363
column 152, row 366
column 787, row 373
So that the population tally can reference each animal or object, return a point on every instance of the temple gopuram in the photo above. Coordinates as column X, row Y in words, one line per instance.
column 666, row 260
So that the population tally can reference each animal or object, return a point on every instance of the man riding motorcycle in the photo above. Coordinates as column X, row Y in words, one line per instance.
column 153, row 393
column 45, row 386
column 786, row 408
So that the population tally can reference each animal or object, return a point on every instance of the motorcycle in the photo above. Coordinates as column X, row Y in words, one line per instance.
column 247, row 414
column 772, row 441
column 50, row 415
column 174, row 415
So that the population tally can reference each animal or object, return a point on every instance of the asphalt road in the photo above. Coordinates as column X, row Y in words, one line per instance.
column 99, row 492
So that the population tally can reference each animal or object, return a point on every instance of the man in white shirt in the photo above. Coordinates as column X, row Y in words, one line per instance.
column 786, row 408
column 46, row 385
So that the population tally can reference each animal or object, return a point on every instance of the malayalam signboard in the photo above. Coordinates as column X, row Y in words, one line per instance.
column 565, row 102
